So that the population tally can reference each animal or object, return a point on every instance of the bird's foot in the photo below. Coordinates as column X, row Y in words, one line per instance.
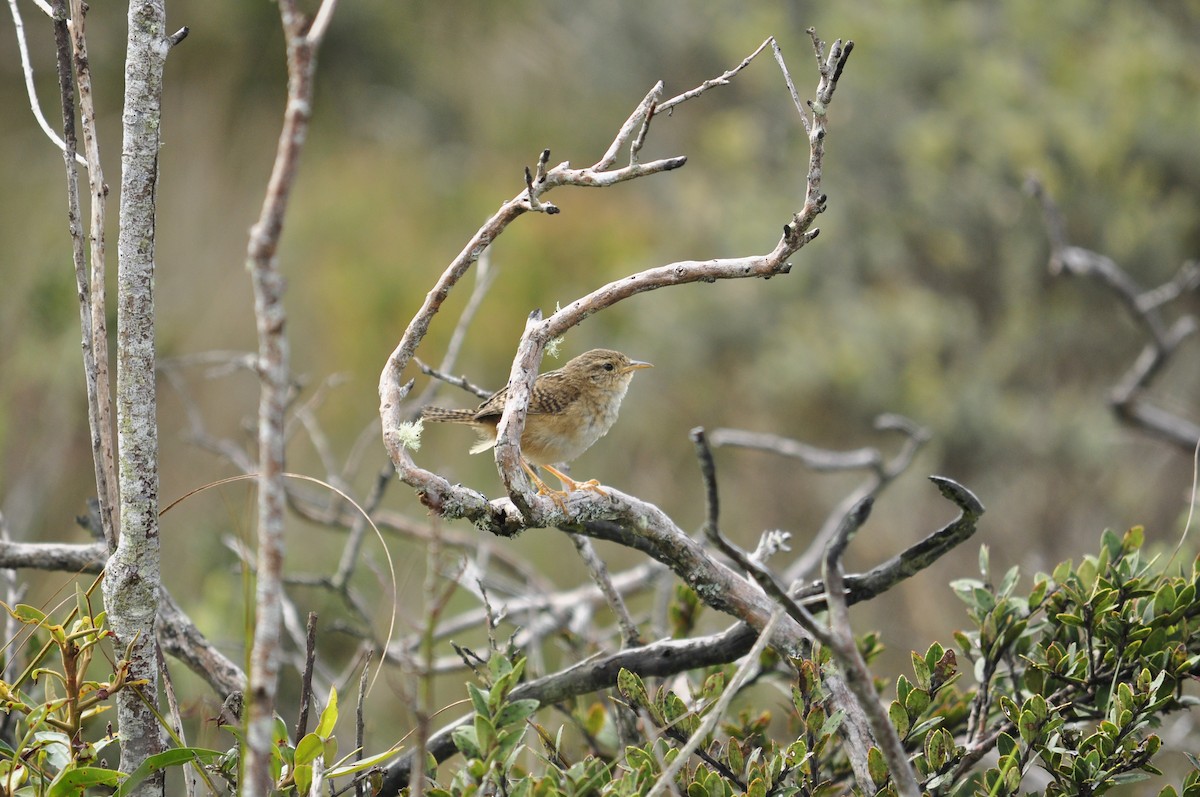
column 559, row 497
column 570, row 485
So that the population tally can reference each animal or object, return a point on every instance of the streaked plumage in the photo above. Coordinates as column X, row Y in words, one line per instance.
column 569, row 409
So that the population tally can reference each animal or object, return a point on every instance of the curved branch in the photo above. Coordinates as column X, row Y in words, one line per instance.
column 1128, row 398
column 670, row 657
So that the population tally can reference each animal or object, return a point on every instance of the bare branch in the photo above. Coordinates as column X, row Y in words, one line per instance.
column 302, row 42
column 921, row 555
column 450, row 379
column 882, row 473
column 709, row 723
column 787, row 78
column 599, row 573
column 98, row 389
column 813, row 458
column 310, row 654
column 757, row 570
column 854, row 667
column 27, row 70
column 637, row 120
column 392, row 391
column 720, row 80
column 178, row 636
column 53, row 556
column 1128, row 398
column 669, row 657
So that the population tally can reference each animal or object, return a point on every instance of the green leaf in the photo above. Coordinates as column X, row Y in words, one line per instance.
column 714, row 685
column 638, row 759
column 815, row 721
column 485, row 733
column 308, row 749
column 1134, row 538
column 331, row 748
column 466, row 741
column 279, row 733
column 516, row 712
column 903, row 687
column 73, row 781
column 716, row 785
column 1005, row 744
column 479, row 699
column 671, row 706
column 27, row 614
column 832, row 723
column 899, row 718
column 302, row 774
column 921, row 670
column 1062, row 572
column 945, row 669
column 329, row 715
column 176, row 756
column 499, row 692
column 631, row 686
column 734, row 757
column 934, row 752
column 521, row 788
column 926, row 725
column 1009, row 582
column 917, row 702
column 498, row 666
column 1040, row 586
column 594, row 719
column 506, row 747
column 877, row 767
column 355, row 767
column 56, row 746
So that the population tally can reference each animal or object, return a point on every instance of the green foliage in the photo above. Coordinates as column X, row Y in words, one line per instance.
column 683, row 611
column 1069, row 679
column 302, row 768
column 491, row 743
column 51, row 752
column 1075, row 675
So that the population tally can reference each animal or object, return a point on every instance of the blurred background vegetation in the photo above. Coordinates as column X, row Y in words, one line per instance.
column 926, row 294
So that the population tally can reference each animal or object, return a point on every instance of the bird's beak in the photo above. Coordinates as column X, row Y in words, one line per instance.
column 637, row 365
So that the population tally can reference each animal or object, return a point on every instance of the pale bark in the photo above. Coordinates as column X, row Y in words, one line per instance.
column 303, row 38
column 131, row 586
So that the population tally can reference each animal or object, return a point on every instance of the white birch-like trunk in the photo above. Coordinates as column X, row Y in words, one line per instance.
column 131, row 586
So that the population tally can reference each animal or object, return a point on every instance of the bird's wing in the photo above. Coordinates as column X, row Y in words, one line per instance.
column 551, row 393
column 493, row 408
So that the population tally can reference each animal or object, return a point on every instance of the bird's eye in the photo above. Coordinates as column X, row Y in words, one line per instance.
column 609, row 366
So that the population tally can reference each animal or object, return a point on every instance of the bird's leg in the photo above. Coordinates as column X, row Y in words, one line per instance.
column 571, row 485
column 559, row 497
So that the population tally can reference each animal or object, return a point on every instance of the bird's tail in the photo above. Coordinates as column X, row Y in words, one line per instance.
column 441, row 415
column 487, row 434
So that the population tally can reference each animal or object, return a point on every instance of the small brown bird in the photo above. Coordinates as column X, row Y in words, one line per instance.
column 569, row 410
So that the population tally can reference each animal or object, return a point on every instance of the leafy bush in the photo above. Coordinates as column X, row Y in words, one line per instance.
column 1070, row 679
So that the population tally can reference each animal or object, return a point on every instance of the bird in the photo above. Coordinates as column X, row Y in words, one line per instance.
column 569, row 409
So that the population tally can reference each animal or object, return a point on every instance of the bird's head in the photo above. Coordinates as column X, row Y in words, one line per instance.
column 605, row 367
